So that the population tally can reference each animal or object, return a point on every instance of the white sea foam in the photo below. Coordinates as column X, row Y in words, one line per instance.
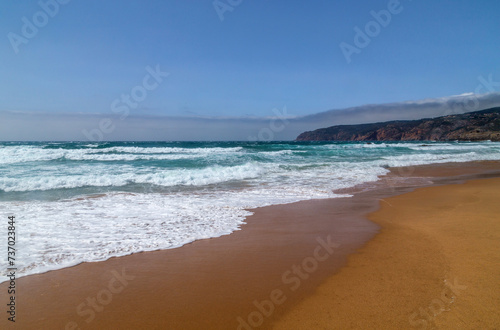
column 169, row 150
column 58, row 234
column 22, row 154
column 104, row 176
column 211, row 198
column 53, row 235
column 438, row 158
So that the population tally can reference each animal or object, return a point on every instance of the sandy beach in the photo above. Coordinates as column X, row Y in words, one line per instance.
column 435, row 264
column 428, row 258
column 249, row 165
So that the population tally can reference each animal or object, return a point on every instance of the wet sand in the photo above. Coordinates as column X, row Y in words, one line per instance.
column 207, row 284
column 252, row 278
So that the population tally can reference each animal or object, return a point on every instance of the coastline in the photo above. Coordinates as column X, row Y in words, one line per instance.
column 215, row 283
column 434, row 265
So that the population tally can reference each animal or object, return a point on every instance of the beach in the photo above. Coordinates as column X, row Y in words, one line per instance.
column 435, row 264
column 319, row 264
column 250, row 165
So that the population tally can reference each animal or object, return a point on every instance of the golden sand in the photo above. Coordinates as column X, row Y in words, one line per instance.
column 435, row 264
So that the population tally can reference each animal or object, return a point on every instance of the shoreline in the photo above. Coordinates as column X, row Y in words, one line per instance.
column 215, row 283
column 393, row 180
column 434, row 265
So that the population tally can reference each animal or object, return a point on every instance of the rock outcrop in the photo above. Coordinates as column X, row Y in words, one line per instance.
column 473, row 126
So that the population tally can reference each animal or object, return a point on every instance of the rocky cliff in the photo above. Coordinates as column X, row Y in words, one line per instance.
column 472, row 126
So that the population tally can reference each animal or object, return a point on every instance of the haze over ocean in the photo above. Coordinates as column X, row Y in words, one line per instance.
column 215, row 70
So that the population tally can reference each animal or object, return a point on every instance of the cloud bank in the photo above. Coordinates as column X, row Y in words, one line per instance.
column 29, row 126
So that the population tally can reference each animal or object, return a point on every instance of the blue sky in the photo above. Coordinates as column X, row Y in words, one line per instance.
column 264, row 54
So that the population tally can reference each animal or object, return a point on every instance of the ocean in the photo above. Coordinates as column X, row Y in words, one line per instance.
column 80, row 201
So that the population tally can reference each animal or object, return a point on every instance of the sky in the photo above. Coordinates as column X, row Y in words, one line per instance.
column 149, row 59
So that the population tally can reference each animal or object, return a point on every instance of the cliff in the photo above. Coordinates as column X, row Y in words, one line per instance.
column 472, row 126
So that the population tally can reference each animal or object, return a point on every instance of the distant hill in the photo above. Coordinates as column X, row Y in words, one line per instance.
column 473, row 126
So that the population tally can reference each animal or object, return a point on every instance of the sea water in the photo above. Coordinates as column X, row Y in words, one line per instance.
column 80, row 201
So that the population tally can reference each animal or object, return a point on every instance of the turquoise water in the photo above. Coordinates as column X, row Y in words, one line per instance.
column 80, row 201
